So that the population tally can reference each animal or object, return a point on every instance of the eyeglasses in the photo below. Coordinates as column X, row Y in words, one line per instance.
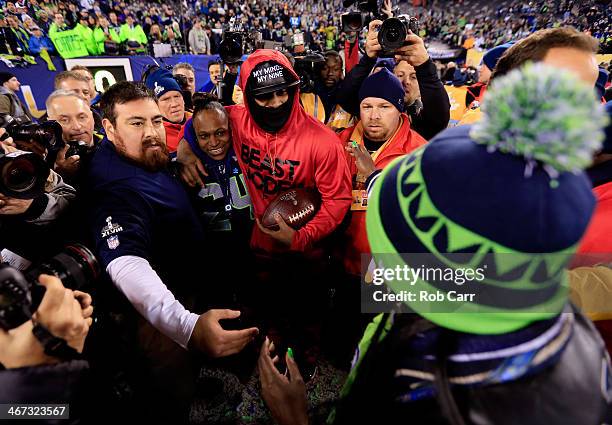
column 269, row 96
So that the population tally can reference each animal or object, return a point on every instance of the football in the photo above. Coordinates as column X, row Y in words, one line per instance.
column 296, row 206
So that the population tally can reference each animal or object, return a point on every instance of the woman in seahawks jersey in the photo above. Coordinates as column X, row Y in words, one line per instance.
column 223, row 203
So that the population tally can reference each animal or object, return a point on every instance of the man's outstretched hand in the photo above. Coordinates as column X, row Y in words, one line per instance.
column 209, row 337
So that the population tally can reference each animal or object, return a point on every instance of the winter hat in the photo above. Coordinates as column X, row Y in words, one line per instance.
column 600, row 84
column 507, row 193
column 5, row 76
column 268, row 77
column 161, row 82
column 607, row 144
column 492, row 56
column 383, row 85
column 386, row 63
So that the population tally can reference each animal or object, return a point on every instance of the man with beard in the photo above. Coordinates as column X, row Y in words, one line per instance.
column 147, row 238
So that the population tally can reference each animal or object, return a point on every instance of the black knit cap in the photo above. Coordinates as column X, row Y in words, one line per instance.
column 270, row 76
column 5, row 76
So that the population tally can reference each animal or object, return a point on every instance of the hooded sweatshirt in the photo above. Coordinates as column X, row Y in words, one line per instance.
column 404, row 140
column 304, row 154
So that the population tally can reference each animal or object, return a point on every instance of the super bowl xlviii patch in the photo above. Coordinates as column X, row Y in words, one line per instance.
column 113, row 242
column 111, row 228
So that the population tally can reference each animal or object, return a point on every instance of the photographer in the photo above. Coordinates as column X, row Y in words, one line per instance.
column 30, row 374
column 73, row 113
column 310, row 101
column 25, row 220
column 214, row 72
column 435, row 114
column 186, row 70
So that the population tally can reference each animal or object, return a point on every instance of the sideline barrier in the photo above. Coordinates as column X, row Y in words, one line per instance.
column 37, row 80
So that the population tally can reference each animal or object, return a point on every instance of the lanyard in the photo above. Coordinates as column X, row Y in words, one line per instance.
column 223, row 172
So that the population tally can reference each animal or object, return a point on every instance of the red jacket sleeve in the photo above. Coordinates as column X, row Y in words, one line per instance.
column 333, row 182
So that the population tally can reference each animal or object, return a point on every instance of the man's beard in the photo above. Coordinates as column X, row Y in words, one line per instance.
column 149, row 159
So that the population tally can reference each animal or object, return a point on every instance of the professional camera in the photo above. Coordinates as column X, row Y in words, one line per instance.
column 23, row 175
column 21, row 294
column 77, row 147
column 305, row 68
column 237, row 42
column 47, row 134
column 393, row 31
column 367, row 11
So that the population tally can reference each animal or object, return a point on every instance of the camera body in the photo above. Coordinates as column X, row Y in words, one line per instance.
column 77, row 147
column 391, row 34
column 393, row 31
column 237, row 42
column 21, row 294
column 367, row 11
column 305, row 68
column 47, row 134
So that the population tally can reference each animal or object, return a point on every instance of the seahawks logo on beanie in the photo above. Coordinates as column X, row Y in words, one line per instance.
column 508, row 192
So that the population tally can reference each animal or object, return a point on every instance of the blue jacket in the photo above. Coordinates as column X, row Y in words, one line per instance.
column 144, row 214
column 36, row 44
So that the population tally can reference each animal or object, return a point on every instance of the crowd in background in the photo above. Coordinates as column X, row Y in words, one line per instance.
column 215, row 309
column 483, row 24
column 118, row 27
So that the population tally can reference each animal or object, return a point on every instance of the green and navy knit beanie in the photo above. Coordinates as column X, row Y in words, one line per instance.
column 508, row 191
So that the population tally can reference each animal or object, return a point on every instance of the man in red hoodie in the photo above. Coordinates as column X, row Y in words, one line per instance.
column 279, row 147
column 382, row 135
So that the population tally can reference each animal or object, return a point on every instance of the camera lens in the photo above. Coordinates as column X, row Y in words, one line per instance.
column 18, row 175
column 49, row 134
column 23, row 175
column 75, row 266
column 392, row 34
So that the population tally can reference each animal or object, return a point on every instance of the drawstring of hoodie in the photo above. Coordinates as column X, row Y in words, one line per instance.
column 272, row 153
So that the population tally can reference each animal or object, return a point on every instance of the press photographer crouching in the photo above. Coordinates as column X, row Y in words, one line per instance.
column 32, row 196
column 44, row 321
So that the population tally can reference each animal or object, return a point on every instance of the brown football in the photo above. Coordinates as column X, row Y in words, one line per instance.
column 296, row 206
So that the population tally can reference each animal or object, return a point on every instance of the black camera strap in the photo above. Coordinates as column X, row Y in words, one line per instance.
column 54, row 346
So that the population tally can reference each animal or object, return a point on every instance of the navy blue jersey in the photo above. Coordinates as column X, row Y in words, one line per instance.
column 145, row 214
column 223, row 203
column 224, row 208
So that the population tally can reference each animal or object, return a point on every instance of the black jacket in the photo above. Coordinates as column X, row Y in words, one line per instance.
column 435, row 114
column 62, row 383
